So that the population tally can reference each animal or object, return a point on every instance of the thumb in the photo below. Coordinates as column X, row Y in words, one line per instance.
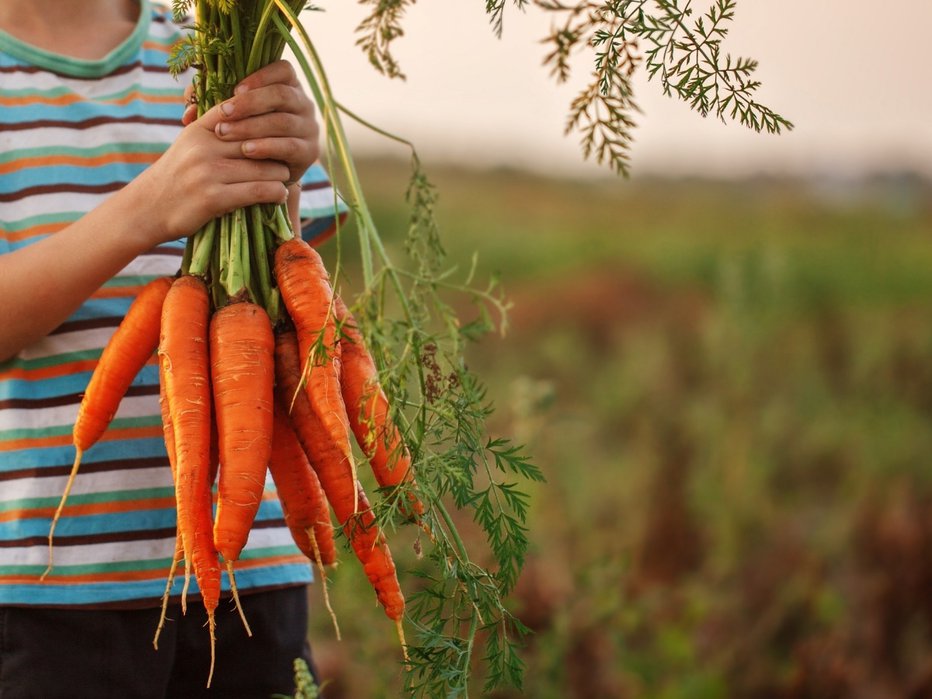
column 209, row 119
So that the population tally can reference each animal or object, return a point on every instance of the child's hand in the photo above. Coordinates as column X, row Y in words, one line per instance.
column 273, row 119
column 199, row 178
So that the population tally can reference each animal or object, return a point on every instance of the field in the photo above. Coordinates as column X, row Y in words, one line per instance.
column 728, row 386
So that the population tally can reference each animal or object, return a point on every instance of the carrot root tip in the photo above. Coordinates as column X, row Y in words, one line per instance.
column 239, row 607
column 212, row 624
column 165, row 596
column 187, row 584
column 323, row 581
column 401, row 639
column 78, row 453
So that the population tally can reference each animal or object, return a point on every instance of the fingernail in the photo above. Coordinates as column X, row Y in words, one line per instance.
column 249, row 147
column 222, row 128
column 240, row 89
column 227, row 108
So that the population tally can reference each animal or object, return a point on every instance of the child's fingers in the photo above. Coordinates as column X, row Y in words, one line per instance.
column 270, row 125
column 189, row 115
column 241, row 170
column 285, row 150
column 264, row 100
column 279, row 72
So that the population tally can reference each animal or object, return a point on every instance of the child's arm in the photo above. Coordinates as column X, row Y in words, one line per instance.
column 198, row 178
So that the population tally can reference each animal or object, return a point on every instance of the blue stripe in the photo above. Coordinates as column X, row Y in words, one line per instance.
column 74, row 113
column 49, row 457
column 65, row 385
column 51, row 593
column 70, row 174
column 133, row 521
column 139, row 520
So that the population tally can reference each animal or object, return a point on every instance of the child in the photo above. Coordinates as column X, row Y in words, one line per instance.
column 103, row 172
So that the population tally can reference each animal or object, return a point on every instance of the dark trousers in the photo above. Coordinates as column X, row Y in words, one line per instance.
column 103, row 654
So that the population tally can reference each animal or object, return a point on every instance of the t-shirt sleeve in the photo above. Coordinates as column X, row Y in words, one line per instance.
column 321, row 208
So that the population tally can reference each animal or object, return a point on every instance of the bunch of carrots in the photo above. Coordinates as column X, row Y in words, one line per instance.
column 262, row 368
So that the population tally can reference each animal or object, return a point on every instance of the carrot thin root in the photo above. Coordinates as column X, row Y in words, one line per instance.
column 165, row 596
column 401, row 639
column 61, row 506
column 212, row 624
column 323, row 581
column 239, row 607
column 187, row 584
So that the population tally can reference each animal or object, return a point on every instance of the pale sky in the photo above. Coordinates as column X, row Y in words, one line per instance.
column 852, row 75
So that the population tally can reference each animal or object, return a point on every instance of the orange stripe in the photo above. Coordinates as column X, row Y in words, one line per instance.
column 117, row 292
column 95, row 508
column 49, row 371
column 48, row 160
column 65, row 439
column 34, row 231
column 155, row 46
column 71, row 98
column 126, row 576
column 56, row 371
column 271, row 561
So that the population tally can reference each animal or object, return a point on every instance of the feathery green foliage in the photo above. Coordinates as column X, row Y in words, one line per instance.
column 676, row 46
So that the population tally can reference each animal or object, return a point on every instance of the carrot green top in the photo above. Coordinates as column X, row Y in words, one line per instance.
column 71, row 133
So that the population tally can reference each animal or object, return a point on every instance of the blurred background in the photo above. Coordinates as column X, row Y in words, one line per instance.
column 722, row 364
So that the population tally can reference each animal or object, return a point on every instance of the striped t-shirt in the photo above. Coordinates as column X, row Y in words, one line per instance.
column 71, row 133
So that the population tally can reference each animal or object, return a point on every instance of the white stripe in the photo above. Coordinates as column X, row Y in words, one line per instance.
column 45, row 81
column 115, row 552
column 101, row 135
column 88, row 482
column 122, row 551
column 65, row 415
column 78, row 341
column 319, row 201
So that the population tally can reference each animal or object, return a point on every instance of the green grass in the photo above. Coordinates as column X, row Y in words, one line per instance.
column 729, row 388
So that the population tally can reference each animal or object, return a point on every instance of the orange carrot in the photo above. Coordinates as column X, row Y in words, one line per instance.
column 368, row 409
column 242, row 373
column 127, row 351
column 241, row 356
column 372, row 551
column 299, row 490
column 303, row 501
column 351, row 508
column 327, row 458
column 178, row 554
column 183, row 354
column 305, row 290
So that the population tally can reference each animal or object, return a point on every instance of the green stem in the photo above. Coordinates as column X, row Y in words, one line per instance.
column 238, row 47
column 201, row 244
column 258, row 236
column 256, row 58
column 324, row 97
column 239, row 254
